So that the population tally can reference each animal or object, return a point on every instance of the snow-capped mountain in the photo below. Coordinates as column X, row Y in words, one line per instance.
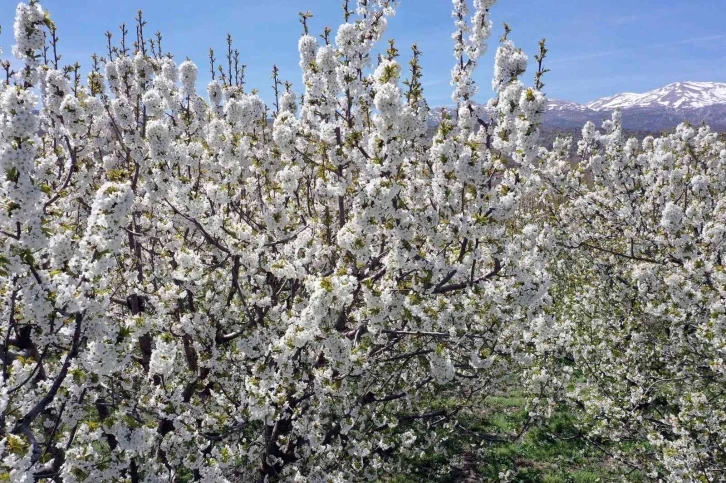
column 653, row 111
column 679, row 95
column 624, row 100
column 656, row 110
column 562, row 105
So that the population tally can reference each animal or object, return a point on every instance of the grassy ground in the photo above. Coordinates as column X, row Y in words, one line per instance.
column 552, row 452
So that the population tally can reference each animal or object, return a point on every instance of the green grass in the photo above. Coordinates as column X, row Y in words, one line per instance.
column 551, row 452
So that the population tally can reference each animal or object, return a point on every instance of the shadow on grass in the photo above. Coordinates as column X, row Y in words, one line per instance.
column 487, row 447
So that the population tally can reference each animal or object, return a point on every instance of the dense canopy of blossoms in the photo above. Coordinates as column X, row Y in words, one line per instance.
column 213, row 290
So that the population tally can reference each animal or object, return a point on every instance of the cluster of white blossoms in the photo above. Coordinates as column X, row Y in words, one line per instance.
column 191, row 292
column 638, row 320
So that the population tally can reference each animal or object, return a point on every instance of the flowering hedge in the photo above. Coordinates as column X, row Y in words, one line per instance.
column 191, row 292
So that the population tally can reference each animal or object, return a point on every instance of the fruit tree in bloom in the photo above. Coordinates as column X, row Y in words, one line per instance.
column 206, row 288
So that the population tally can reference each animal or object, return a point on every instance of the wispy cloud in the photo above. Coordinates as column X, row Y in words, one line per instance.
column 439, row 100
column 434, row 83
column 608, row 53
column 623, row 20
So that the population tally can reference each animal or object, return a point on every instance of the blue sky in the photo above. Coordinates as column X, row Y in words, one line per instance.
column 597, row 48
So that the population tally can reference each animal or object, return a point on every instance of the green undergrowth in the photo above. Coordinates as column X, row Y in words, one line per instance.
column 494, row 443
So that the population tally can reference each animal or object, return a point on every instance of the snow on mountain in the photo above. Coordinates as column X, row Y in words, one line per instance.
column 562, row 105
column 654, row 111
column 626, row 99
column 659, row 109
column 679, row 95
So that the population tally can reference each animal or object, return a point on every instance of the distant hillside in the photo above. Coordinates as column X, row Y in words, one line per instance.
column 653, row 111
